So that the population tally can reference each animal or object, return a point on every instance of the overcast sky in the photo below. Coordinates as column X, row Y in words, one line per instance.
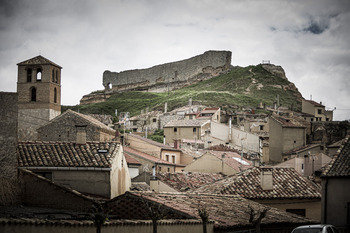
column 309, row 39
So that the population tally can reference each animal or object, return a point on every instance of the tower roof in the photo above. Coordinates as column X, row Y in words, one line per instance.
column 38, row 60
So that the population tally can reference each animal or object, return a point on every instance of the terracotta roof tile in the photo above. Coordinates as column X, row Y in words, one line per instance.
column 184, row 181
column 228, row 211
column 288, row 122
column 287, row 184
column 131, row 160
column 143, row 155
column 66, row 154
column 185, row 123
column 340, row 164
column 160, row 145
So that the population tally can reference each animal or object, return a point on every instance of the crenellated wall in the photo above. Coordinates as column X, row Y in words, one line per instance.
column 201, row 67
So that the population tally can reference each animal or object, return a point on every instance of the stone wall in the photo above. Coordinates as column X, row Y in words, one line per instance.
column 8, row 142
column 197, row 68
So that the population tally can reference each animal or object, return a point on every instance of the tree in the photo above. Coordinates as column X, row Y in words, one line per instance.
column 98, row 216
column 202, row 212
column 155, row 212
column 256, row 216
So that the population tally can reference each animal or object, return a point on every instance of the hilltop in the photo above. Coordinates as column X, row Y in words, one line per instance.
column 239, row 87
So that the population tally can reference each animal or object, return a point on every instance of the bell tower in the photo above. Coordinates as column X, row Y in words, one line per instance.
column 39, row 95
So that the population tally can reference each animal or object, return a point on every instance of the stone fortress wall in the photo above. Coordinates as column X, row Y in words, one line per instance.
column 206, row 65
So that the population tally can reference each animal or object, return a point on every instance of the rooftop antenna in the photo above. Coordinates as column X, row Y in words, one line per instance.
column 310, row 97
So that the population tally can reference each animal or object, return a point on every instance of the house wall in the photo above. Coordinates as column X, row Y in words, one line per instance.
column 39, row 192
column 54, row 131
column 275, row 141
column 336, row 201
column 120, row 180
column 293, row 138
column 143, row 146
column 9, row 193
column 307, row 107
column 94, row 182
column 171, row 153
column 249, row 141
column 132, row 227
column 283, row 139
column 182, row 133
column 209, row 164
column 220, row 131
column 312, row 207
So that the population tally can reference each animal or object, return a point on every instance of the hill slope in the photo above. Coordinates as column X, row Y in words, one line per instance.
column 242, row 86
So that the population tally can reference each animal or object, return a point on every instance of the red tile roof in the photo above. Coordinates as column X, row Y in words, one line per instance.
column 131, row 160
column 233, row 159
column 154, row 143
column 66, row 154
column 287, row 184
column 340, row 164
column 314, row 103
column 148, row 157
column 288, row 122
column 183, row 181
column 228, row 211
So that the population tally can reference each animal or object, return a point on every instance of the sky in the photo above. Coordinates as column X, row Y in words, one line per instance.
column 310, row 39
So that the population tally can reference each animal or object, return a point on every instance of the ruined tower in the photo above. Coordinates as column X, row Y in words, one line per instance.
column 39, row 95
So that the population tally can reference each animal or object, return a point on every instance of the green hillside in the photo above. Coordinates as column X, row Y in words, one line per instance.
column 241, row 87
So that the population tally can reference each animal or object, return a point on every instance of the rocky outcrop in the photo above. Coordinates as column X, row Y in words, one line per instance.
column 275, row 70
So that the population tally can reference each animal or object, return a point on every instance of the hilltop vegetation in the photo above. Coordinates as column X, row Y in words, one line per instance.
column 240, row 87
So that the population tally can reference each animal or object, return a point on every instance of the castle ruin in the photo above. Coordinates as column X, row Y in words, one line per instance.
column 165, row 77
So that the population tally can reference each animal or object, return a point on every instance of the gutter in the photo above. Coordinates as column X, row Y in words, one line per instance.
column 68, row 168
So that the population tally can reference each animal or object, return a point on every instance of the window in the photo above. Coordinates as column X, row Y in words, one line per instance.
column 33, row 94
column 194, row 130
column 319, row 111
column 55, row 95
column 173, row 157
column 261, row 127
column 154, row 120
column 160, row 169
column 167, row 157
column 175, row 129
column 29, row 75
column 56, row 78
column 168, row 169
column 38, row 75
column 53, row 75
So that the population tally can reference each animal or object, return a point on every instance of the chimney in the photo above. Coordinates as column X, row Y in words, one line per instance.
column 266, row 177
column 153, row 182
column 81, row 134
column 176, row 143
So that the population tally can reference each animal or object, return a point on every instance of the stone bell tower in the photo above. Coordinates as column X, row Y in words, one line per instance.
column 39, row 95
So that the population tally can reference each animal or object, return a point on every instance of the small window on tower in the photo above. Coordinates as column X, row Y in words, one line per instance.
column 56, row 78
column 33, row 94
column 53, row 75
column 38, row 75
column 55, row 95
column 29, row 75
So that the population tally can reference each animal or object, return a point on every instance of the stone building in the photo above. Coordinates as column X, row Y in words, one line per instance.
column 282, row 188
column 8, row 141
column 317, row 110
column 67, row 127
column 97, row 168
column 39, row 95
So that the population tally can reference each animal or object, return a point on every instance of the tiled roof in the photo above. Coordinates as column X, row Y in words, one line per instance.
column 288, row 122
column 228, row 211
column 301, row 149
column 105, row 119
column 131, row 160
column 38, row 60
column 133, row 152
column 154, row 143
column 139, row 186
column 66, row 154
column 183, row 181
column 87, row 118
column 185, row 123
column 340, row 164
column 233, row 159
column 314, row 103
column 287, row 184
